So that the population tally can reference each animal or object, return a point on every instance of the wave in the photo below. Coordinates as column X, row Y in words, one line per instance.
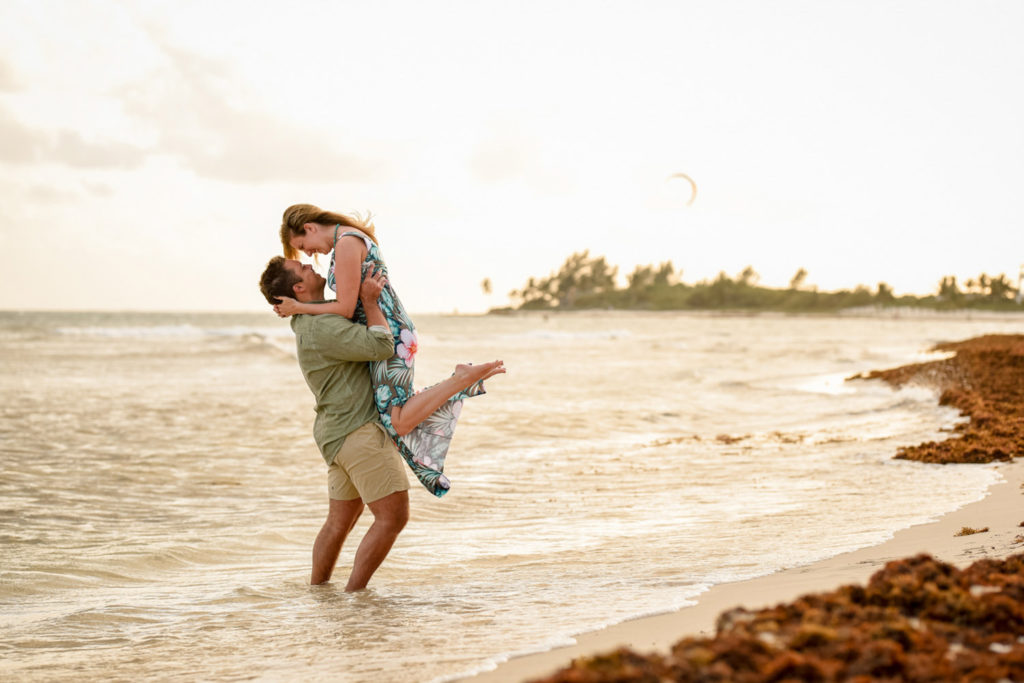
column 278, row 339
column 561, row 335
column 182, row 331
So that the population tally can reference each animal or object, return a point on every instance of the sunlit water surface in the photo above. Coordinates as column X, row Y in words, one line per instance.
column 160, row 489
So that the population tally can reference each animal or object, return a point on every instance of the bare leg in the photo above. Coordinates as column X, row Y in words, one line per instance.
column 390, row 514
column 419, row 407
column 341, row 517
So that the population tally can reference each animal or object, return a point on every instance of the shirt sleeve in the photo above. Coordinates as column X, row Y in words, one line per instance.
column 339, row 338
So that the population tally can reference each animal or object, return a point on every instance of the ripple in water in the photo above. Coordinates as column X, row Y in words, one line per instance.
column 161, row 490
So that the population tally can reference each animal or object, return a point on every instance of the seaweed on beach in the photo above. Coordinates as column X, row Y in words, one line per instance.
column 916, row 619
column 985, row 381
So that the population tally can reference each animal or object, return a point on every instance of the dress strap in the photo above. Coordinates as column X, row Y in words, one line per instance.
column 331, row 282
column 355, row 233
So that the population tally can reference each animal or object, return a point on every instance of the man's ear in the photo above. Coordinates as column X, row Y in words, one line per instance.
column 297, row 289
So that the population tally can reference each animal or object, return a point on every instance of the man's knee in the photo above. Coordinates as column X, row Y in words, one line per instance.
column 342, row 514
column 402, row 517
column 396, row 518
column 392, row 511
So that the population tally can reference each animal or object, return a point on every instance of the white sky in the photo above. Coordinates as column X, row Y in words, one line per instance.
column 147, row 149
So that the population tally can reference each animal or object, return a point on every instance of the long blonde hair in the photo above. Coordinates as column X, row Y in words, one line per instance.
column 297, row 215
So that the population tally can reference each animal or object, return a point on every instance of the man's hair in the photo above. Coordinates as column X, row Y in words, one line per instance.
column 277, row 280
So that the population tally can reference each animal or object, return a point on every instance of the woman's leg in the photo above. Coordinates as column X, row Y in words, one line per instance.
column 420, row 405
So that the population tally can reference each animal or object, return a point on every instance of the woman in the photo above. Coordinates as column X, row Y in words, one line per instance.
column 421, row 424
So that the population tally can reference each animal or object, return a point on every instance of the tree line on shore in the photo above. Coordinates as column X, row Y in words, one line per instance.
column 586, row 281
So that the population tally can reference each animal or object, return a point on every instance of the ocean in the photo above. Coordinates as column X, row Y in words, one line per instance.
column 160, row 489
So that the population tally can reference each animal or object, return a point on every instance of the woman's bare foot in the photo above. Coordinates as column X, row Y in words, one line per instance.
column 421, row 404
column 470, row 374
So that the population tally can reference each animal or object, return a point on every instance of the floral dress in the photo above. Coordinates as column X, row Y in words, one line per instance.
column 426, row 446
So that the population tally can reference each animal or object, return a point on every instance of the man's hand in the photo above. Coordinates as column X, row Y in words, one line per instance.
column 371, row 288
column 286, row 306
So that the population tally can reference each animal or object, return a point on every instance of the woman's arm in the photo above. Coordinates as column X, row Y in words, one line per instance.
column 352, row 341
column 348, row 262
column 288, row 306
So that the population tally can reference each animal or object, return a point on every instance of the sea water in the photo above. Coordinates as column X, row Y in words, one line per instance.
column 160, row 489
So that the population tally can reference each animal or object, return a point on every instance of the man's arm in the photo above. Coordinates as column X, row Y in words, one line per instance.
column 343, row 339
column 369, row 293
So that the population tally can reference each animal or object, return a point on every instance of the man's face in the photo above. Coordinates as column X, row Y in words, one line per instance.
column 310, row 284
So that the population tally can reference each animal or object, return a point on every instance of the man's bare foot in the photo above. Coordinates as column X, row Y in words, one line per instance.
column 471, row 374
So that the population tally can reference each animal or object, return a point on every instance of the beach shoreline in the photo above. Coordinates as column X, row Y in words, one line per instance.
column 1001, row 510
column 981, row 380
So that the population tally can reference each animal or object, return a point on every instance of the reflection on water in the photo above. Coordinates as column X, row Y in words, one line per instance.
column 160, row 488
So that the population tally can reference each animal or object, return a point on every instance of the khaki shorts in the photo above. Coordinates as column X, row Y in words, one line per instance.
column 367, row 466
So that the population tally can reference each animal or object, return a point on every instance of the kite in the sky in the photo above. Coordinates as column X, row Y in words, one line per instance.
column 693, row 186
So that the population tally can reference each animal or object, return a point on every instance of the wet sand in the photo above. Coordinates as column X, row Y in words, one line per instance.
column 985, row 380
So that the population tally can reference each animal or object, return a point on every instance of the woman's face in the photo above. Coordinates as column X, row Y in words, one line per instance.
column 315, row 241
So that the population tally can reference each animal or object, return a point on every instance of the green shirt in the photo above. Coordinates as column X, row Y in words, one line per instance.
column 333, row 352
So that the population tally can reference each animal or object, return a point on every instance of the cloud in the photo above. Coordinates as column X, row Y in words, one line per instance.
column 200, row 117
column 50, row 194
column 510, row 158
column 8, row 80
column 69, row 148
column 98, row 189
column 26, row 192
column 21, row 144
column 197, row 111
column 511, row 154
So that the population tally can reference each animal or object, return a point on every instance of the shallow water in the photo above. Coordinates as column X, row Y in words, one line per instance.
column 160, row 488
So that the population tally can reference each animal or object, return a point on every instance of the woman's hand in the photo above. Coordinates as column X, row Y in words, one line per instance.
column 287, row 306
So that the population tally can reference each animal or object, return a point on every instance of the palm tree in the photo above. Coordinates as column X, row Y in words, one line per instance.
column 798, row 279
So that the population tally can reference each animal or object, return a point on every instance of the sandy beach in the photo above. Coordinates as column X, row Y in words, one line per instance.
column 1001, row 512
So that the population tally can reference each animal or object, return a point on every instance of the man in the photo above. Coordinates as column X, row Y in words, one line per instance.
column 364, row 466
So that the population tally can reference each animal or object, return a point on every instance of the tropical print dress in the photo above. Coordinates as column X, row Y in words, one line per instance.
column 426, row 446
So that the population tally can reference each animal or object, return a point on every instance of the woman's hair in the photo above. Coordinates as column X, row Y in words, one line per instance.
column 297, row 215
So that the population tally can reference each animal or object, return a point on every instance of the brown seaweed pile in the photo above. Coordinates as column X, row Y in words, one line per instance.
column 985, row 381
column 917, row 619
